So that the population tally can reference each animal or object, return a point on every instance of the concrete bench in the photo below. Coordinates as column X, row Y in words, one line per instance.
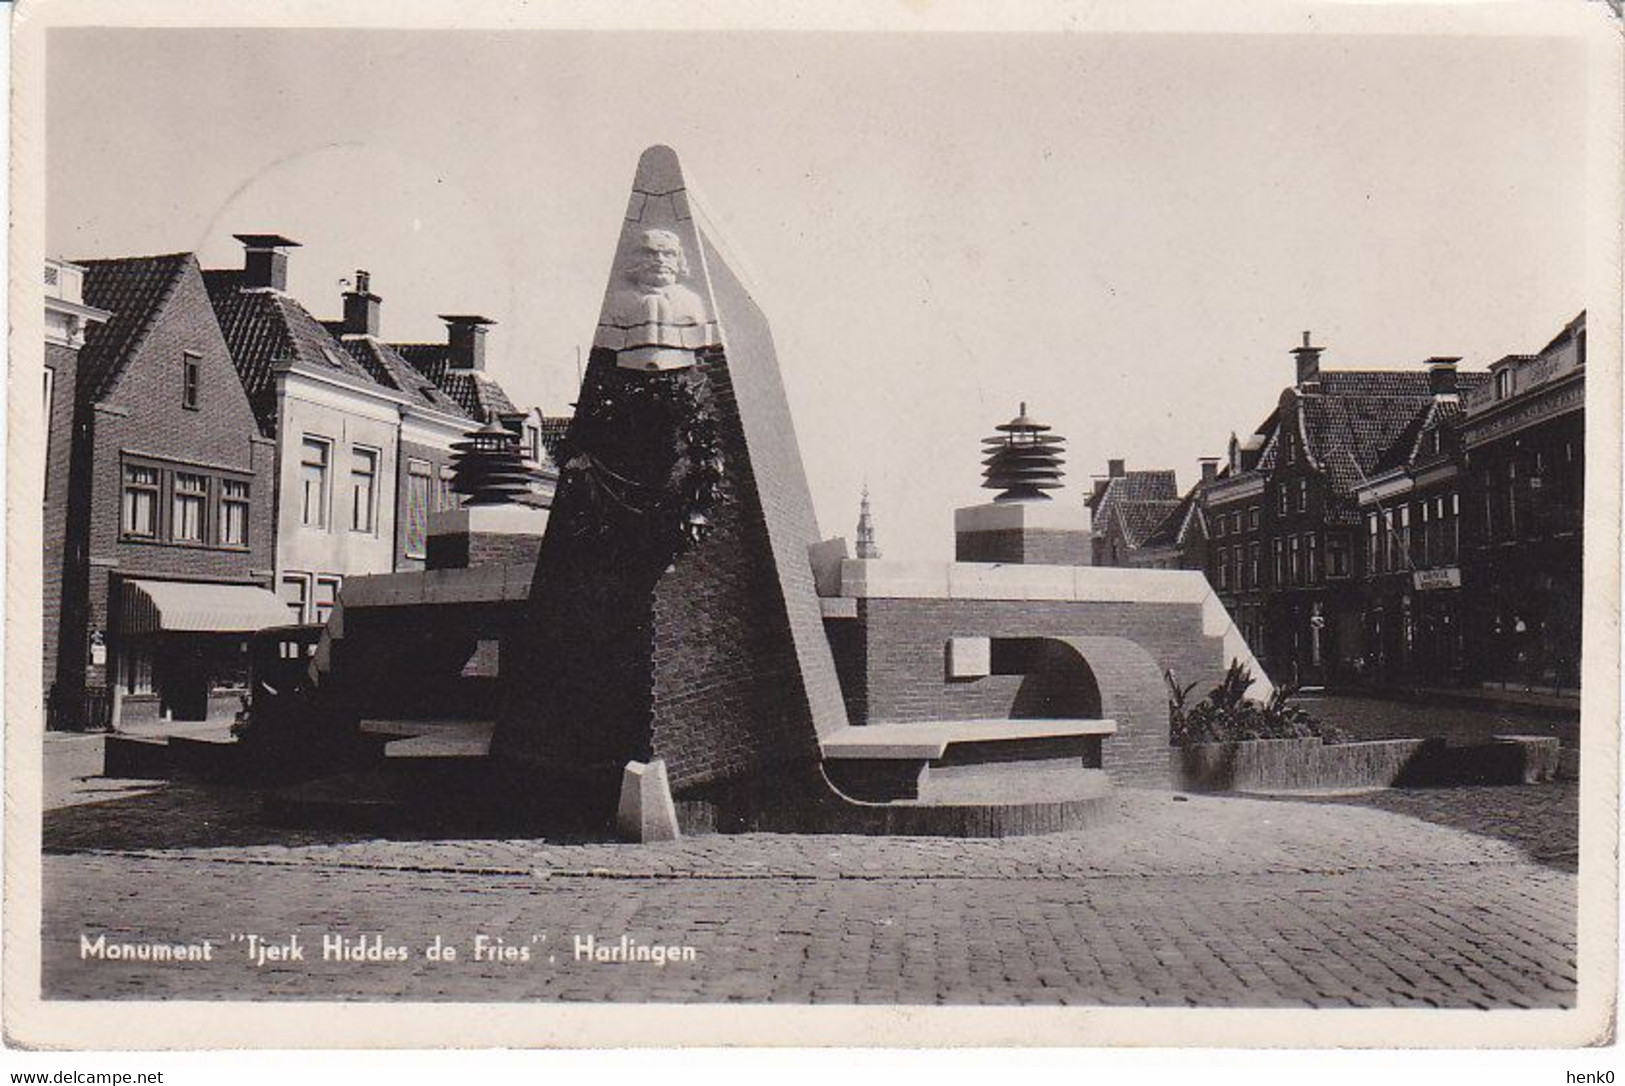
column 929, row 740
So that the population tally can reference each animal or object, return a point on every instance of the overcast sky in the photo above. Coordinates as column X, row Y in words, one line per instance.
column 1129, row 232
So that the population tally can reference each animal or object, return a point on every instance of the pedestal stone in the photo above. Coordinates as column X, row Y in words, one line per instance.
column 646, row 812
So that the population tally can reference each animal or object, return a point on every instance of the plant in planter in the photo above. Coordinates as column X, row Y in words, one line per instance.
column 1228, row 715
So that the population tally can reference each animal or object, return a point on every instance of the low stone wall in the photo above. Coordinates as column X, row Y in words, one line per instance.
column 1281, row 765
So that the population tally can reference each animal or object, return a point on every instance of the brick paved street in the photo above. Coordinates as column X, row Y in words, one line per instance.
column 1382, row 899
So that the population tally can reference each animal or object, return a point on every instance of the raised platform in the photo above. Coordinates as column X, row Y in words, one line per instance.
column 433, row 738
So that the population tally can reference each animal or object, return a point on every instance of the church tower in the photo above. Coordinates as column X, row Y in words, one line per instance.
column 867, row 548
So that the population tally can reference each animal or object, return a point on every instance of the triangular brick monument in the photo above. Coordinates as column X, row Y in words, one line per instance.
column 673, row 614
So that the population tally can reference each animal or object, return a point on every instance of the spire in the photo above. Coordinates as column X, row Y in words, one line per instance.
column 1022, row 460
column 866, row 529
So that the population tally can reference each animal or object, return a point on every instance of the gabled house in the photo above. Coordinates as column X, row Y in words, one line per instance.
column 1125, row 507
column 1414, row 623
column 1180, row 540
column 167, row 555
column 1285, row 516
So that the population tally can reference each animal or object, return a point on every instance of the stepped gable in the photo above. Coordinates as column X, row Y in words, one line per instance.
column 710, row 655
column 263, row 326
column 133, row 289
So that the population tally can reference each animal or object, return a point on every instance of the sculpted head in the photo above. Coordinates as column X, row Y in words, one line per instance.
column 659, row 262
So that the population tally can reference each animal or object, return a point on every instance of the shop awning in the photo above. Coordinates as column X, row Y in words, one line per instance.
column 187, row 606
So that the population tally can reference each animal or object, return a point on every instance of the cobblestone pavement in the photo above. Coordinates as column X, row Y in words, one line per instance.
column 1373, row 900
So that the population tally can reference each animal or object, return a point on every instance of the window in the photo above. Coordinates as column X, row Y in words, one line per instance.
column 1253, row 559
column 1337, row 554
column 1280, row 563
column 1252, row 518
column 327, row 594
column 295, row 590
column 135, row 669
column 191, row 495
column 1373, row 545
column 1311, row 557
column 1295, row 560
column 363, row 490
column 419, row 481
column 1503, row 384
column 1224, row 567
column 140, row 501
column 1280, row 494
column 447, row 497
column 1235, row 522
column 313, row 469
column 1218, row 525
column 1303, row 494
column 191, row 378
column 233, row 513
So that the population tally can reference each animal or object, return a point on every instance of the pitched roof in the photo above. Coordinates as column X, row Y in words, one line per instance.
column 263, row 327
column 1351, row 418
column 133, row 289
column 478, row 394
column 1407, row 448
column 388, row 368
column 1140, row 518
column 1170, row 531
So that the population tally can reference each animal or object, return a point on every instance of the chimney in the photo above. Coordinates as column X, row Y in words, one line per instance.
column 265, row 261
column 1308, row 359
column 1114, row 469
column 361, row 307
column 465, row 334
column 1210, row 468
column 1442, row 377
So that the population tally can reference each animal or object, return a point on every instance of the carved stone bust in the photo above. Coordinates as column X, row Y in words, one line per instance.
column 655, row 294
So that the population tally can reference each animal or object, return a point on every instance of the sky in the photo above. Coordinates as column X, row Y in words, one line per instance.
column 1127, row 232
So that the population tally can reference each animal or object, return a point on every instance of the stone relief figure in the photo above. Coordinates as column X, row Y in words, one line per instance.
column 655, row 294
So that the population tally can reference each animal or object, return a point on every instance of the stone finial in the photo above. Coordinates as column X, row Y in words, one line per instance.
column 1023, row 460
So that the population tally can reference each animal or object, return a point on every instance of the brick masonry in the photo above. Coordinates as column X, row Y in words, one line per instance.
column 1028, row 546
column 892, row 659
column 717, row 663
column 64, row 364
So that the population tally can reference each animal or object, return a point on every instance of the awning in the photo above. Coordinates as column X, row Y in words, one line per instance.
column 153, row 606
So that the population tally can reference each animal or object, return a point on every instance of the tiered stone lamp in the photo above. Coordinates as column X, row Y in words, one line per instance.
column 1022, row 524
column 495, row 522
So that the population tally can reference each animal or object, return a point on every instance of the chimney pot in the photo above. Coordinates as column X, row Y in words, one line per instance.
column 1210, row 468
column 1307, row 358
column 465, row 336
column 1442, row 376
column 361, row 307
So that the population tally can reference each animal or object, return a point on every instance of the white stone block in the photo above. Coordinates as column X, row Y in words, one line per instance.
column 646, row 812
column 970, row 657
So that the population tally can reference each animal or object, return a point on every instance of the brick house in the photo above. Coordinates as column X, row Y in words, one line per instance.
column 1284, row 516
column 1414, row 621
column 1180, row 540
column 167, row 552
column 1523, row 510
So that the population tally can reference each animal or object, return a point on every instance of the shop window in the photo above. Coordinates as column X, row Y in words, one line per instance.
column 327, row 594
column 296, row 594
column 135, row 668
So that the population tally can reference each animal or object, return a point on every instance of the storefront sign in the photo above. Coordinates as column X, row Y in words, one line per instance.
column 1445, row 577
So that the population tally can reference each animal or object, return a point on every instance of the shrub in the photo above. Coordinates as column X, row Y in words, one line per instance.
column 1228, row 715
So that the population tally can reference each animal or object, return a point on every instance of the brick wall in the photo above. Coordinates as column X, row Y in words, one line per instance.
column 142, row 413
column 64, row 364
column 1029, row 546
column 893, row 669
column 719, row 663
